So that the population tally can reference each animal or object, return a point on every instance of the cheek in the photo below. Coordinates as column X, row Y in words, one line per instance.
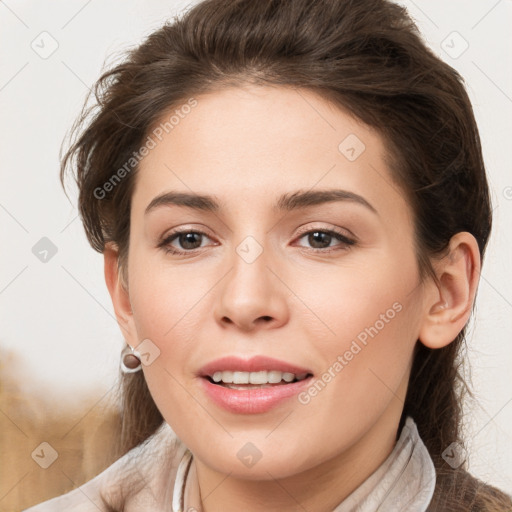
column 359, row 302
column 164, row 301
column 165, row 309
column 364, row 329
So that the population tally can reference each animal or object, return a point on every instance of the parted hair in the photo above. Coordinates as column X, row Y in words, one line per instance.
column 368, row 58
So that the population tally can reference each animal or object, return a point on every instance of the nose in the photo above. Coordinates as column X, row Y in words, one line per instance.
column 252, row 295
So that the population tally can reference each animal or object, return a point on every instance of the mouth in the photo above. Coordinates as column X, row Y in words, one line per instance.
column 255, row 380
column 259, row 371
column 253, row 392
column 252, row 386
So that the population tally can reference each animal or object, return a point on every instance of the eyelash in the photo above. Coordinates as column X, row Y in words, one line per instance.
column 345, row 241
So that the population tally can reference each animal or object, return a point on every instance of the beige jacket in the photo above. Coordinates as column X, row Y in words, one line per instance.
column 160, row 476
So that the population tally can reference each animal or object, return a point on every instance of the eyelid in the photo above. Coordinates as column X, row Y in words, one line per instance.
column 186, row 228
column 340, row 231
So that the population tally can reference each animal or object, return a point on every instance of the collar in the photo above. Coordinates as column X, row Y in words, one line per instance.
column 405, row 481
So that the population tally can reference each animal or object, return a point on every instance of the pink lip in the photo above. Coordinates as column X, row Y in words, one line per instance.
column 255, row 400
column 255, row 364
column 251, row 400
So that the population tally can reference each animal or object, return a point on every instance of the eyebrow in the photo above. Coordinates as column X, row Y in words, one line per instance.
column 286, row 202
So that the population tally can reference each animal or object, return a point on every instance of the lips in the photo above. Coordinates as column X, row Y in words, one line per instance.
column 246, row 398
column 254, row 364
column 256, row 400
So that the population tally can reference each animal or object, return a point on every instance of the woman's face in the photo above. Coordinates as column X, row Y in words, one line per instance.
column 270, row 278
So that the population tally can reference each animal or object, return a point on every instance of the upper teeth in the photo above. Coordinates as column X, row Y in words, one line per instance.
column 263, row 377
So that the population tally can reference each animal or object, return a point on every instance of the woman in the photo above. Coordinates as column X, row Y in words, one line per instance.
column 293, row 209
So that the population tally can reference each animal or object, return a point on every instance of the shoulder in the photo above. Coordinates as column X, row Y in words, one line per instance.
column 141, row 480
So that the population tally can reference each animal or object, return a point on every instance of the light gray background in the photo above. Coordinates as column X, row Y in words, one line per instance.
column 57, row 315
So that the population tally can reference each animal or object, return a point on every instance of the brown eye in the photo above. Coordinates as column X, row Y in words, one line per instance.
column 189, row 240
column 320, row 239
column 184, row 242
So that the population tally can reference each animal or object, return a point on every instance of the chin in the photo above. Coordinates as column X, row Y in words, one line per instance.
column 267, row 464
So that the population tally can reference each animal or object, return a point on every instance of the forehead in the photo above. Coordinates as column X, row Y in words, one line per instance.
column 256, row 143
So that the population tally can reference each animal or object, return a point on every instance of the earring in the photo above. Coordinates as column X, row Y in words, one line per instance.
column 130, row 360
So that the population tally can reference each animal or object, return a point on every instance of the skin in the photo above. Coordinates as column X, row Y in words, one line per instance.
column 297, row 301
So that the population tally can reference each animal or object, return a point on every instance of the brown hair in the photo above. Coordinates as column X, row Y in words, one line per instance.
column 365, row 56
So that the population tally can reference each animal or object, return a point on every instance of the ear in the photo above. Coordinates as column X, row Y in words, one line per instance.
column 449, row 302
column 119, row 294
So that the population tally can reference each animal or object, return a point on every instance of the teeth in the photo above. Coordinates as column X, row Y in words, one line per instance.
column 263, row 377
